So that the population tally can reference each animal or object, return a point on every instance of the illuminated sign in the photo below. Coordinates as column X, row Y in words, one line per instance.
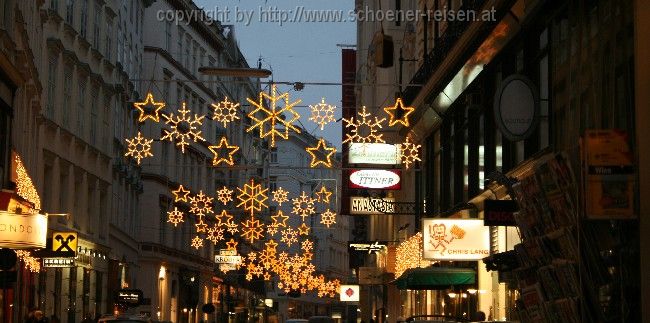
column 455, row 239
column 374, row 153
column 64, row 242
column 58, row 262
column 228, row 260
column 367, row 205
column 21, row 231
column 349, row 293
column 129, row 297
column 219, row 259
column 369, row 247
column 375, row 179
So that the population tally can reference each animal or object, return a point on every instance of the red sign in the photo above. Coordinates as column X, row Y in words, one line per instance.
column 383, row 179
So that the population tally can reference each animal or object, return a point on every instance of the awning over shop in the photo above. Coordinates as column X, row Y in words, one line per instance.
column 435, row 278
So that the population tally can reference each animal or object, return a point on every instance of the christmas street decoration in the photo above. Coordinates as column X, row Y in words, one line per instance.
column 197, row 242
column 322, row 113
column 279, row 219
column 328, row 218
column 280, row 196
column 271, row 229
column 215, row 234
column 232, row 228
column 201, row 226
column 273, row 116
column 323, row 195
column 252, row 229
column 201, row 204
column 224, row 219
column 181, row 194
column 183, row 128
column 139, row 148
column 232, row 244
column 175, row 216
column 327, row 151
column 303, row 206
column 154, row 106
column 289, row 236
column 222, row 158
column 225, row 112
column 24, row 186
column 303, row 229
column 31, row 263
column 252, row 197
column 224, row 195
column 410, row 153
column 395, row 111
column 364, row 129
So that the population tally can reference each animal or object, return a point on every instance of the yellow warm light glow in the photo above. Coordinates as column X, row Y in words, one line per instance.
column 232, row 244
column 323, row 195
column 156, row 107
column 273, row 115
column 280, row 196
column 181, row 194
column 197, row 242
column 328, row 218
column 215, row 234
column 175, row 216
column 410, row 153
column 201, row 204
column 303, row 206
column 224, row 195
column 394, row 111
column 225, row 112
column 139, row 148
column 224, row 219
column 223, row 145
column 31, row 263
column 355, row 135
column 303, row 229
column 279, row 219
column 409, row 255
column 289, row 236
column 322, row 113
column 252, row 197
column 200, row 225
column 184, row 128
column 252, row 230
column 327, row 151
column 24, row 186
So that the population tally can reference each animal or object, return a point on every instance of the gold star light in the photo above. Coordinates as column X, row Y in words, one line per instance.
column 328, row 218
column 231, row 245
column 201, row 226
column 184, row 128
column 225, row 112
column 224, row 219
column 410, row 153
column 252, row 230
column 224, row 195
column 273, row 115
column 197, row 242
column 326, row 151
column 175, row 216
column 139, row 147
column 279, row 219
column 151, row 105
column 221, row 158
column 303, row 229
column 303, row 206
column 280, row 196
column 181, row 194
column 323, row 195
column 201, row 204
column 395, row 111
column 322, row 113
column 364, row 129
column 252, row 197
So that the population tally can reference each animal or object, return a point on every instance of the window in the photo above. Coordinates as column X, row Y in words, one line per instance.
column 188, row 45
column 96, row 26
column 167, row 82
column 119, row 43
column 84, row 18
column 69, row 12
column 105, row 119
column 108, row 44
column 54, row 5
column 273, row 183
column 274, row 155
column 194, row 55
column 179, row 45
column 168, row 35
column 96, row 105
column 81, row 99
column 67, row 97
column 51, row 85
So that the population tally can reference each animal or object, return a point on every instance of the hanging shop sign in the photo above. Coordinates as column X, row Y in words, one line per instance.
column 219, row 259
column 64, row 242
column 499, row 212
column 21, row 231
column 375, row 179
column 366, row 205
column 374, row 153
column 369, row 247
column 610, row 175
column 228, row 260
column 455, row 239
column 516, row 107
column 58, row 262
column 349, row 293
column 129, row 297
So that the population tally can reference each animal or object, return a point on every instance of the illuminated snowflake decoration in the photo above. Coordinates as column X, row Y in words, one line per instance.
column 271, row 229
column 175, row 216
column 364, row 129
column 307, row 245
column 215, row 234
column 252, row 197
column 322, row 113
column 328, row 218
column 197, row 242
column 410, row 153
column 201, row 204
column 252, row 230
column 225, row 112
column 224, row 195
column 303, row 206
column 184, row 128
column 139, row 148
column 280, row 196
column 269, row 116
column 289, row 236
column 232, row 228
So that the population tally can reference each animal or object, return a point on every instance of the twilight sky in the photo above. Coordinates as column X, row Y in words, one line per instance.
column 295, row 51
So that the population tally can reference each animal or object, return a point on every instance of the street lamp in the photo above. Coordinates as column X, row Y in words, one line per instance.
column 235, row 71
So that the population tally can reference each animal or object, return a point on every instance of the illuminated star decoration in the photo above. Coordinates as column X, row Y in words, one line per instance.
column 175, row 216
column 225, row 112
column 197, row 242
column 181, row 194
column 328, row 218
column 303, row 206
column 280, row 196
column 322, row 113
column 139, row 147
column 224, row 195
column 155, row 107
column 252, row 197
column 224, row 219
column 201, row 226
column 303, row 229
column 279, row 220
column 273, row 115
column 356, row 133
column 395, row 111
column 327, row 151
column 231, row 245
column 184, row 128
column 201, row 204
column 223, row 145
column 252, row 229
column 323, row 195
column 410, row 153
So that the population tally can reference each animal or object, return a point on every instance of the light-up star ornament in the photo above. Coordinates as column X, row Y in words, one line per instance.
column 219, row 156
column 139, row 147
column 224, row 219
column 184, row 128
column 225, row 112
column 149, row 105
column 323, row 195
column 399, row 113
column 321, row 147
column 181, row 194
column 322, row 113
column 364, row 129
column 273, row 116
column 410, row 153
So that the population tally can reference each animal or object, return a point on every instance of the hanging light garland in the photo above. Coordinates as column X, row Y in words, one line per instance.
column 139, row 148
column 273, row 116
column 225, row 112
column 322, row 148
column 322, row 114
column 184, row 128
column 356, row 127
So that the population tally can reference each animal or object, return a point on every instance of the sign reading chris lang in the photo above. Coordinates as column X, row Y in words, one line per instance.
column 375, row 179
column 455, row 239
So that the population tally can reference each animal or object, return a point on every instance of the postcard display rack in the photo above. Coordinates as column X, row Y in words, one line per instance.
column 551, row 266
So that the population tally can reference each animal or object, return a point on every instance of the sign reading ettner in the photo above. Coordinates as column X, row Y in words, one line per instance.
column 455, row 239
column 375, row 179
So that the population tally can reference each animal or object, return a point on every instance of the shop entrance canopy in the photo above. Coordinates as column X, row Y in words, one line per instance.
column 432, row 278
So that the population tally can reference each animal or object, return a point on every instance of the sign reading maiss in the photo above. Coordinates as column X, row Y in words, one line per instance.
column 375, row 179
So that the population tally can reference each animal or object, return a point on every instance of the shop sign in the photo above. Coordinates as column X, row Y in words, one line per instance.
column 369, row 247
column 64, row 242
column 375, row 179
column 21, row 231
column 516, row 107
column 366, row 205
column 219, row 259
column 374, row 153
column 228, row 260
column 349, row 293
column 58, row 262
column 499, row 212
column 455, row 239
column 129, row 297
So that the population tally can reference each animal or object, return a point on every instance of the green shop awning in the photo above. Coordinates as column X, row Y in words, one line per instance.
column 435, row 278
